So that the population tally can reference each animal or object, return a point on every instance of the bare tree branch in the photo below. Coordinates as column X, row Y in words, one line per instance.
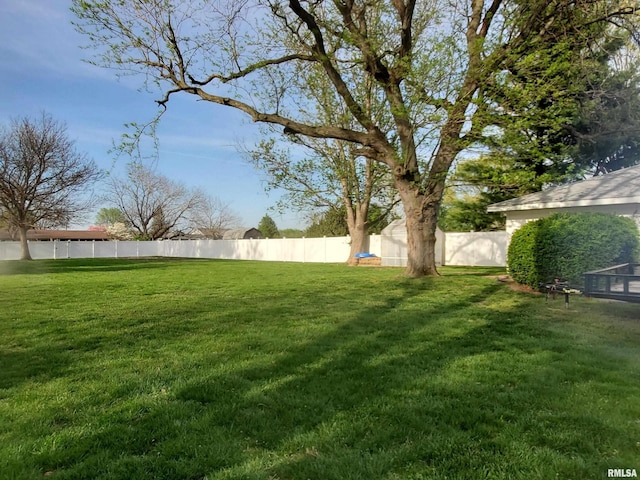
column 42, row 176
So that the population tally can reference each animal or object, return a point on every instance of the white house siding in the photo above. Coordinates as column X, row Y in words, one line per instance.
column 517, row 218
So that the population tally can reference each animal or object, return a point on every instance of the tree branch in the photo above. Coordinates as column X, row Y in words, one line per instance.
column 316, row 131
column 250, row 69
column 332, row 73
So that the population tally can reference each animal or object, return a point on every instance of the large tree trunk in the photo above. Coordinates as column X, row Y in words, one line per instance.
column 421, row 199
column 24, row 245
column 359, row 242
column 358, row 229
column 421, row 214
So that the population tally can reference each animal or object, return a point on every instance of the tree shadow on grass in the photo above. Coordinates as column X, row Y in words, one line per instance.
column 412, row 387
column 625, row 311
column 36, row 364
column 85, row 265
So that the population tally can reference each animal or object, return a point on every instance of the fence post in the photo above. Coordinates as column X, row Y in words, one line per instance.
column 116, row 249
column 324, row 243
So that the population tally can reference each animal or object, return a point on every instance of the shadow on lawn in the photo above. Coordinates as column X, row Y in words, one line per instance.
column 70, row 265
column 394, row 392
column 38, row 364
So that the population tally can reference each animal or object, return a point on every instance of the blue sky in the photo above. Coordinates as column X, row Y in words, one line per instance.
column 41, row 69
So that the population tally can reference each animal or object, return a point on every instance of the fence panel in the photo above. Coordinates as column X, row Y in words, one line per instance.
column 469, row 249
column 79, row 249
column 284, row 250
column 394, row 246
column 9, row 250
column 375, row 245
column 487, row 249
column 46, row 250
column 104, row 249
column 336, row 249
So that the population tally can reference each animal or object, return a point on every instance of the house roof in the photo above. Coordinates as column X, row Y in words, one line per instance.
column 240, row 233
column 58, row 235
column 615, row 188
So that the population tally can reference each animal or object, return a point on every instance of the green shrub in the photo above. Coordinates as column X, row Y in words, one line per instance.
column 520, row 255
column 568, row 245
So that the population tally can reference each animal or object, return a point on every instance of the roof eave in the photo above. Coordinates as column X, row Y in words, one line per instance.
column 563, row 204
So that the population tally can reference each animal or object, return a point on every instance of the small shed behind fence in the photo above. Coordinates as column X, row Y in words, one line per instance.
column 242, row 233
column 394, row 245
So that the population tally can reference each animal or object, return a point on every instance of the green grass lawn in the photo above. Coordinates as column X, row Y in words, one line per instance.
column 194, row 369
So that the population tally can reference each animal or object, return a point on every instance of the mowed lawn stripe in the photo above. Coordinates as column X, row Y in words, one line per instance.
column 192, row 369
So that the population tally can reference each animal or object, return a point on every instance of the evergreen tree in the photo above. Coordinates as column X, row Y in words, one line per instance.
column 268, row 227
column 331, row 223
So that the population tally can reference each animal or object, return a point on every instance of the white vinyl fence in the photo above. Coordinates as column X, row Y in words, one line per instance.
column 468, row 249
column 486, row 249
column 323, row 250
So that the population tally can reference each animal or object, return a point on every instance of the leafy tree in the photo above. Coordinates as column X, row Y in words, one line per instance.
column 579, row 113
column 43, row 179
column 320, row 173
column 478, row 183
column 153, row 204
column 291, row 233
column 331, row 177
column 119, row 231
column 596, row 131
column 110, row 216
column 444, row 71
column 268, row 227
column 606, row 127
column 333, row 223
column 468, row 213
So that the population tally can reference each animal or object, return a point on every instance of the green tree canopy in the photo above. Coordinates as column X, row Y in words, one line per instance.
column 333, row 222
column 569, row 108
column 268, row 227
column 478, row 183
column 109, row 216
column 292, row 233
column 591, row 128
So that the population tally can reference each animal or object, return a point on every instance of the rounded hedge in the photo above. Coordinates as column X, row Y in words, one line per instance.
column 566, row 246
